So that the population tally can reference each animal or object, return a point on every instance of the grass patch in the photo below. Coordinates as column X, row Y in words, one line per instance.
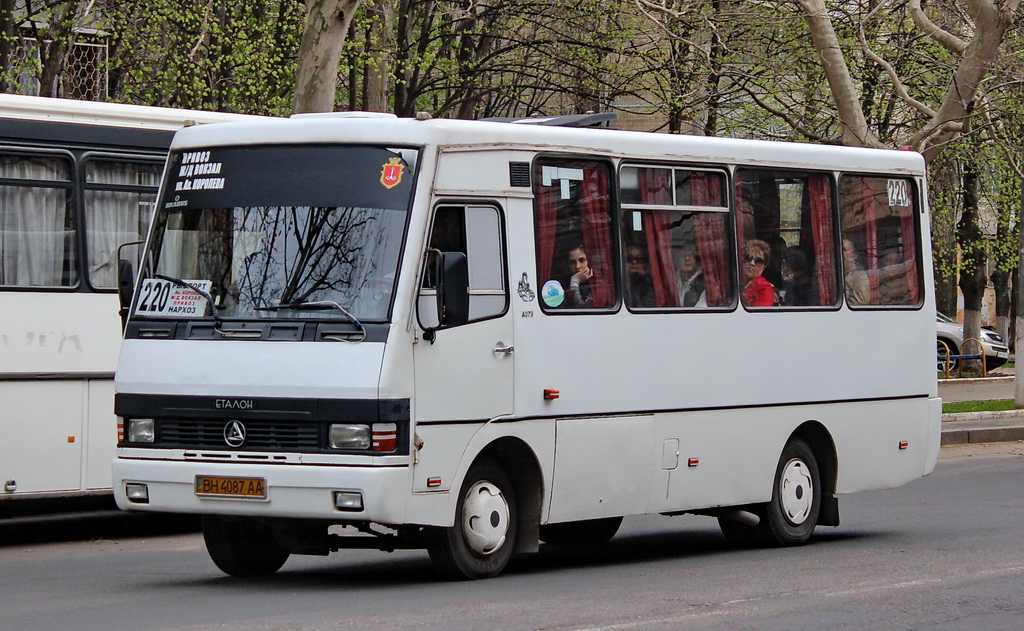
column 992, row 405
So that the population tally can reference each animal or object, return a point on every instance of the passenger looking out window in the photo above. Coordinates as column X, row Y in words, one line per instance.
column 757, row 291
column 579, row 295
column 573, row 223
column 791, row 214
column 858, row 289
column 689, row 276
column 640, row 287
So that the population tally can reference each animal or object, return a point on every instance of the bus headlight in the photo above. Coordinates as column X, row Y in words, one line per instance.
column 349, row 436
column 141, row 430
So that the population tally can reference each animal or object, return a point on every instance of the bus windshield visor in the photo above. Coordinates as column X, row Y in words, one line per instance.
column 298, row 232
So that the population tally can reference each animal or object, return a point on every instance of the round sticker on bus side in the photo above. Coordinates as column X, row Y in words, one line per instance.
column 552, row 293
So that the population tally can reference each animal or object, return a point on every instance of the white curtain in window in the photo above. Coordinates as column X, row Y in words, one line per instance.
column 116, row 217
column 35, row 245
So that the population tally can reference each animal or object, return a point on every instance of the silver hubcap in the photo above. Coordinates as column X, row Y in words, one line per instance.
column 485, row 518
column 796, row 492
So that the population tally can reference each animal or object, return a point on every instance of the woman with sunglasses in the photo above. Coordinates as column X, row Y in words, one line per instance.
column 757, row 292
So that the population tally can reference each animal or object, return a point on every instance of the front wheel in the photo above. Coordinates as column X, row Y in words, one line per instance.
column 242, row 547
column 480, row 543
column 789, row 518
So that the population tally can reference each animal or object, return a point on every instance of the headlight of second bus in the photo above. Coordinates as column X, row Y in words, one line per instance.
column 141, row 430
column 349, row 436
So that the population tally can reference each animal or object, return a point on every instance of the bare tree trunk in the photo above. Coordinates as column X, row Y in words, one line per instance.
column 855, row 127
column 316, row 79
column 375, row 93
column 8, row 38
column 1018, row 334
column 972, row 272
column 991, row 20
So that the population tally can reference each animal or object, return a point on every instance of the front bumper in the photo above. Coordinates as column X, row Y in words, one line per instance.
column 293, row 491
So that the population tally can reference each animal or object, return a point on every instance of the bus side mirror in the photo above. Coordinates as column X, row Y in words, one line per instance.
column 453, row 289
column 449, row 273
column 125, row 288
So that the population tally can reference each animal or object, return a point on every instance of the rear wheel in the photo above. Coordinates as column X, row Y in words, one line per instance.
column 791, row 515
column 581, row 533
column 242, row 547
column 481, row 541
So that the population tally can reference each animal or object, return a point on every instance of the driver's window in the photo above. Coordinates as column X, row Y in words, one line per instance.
column 475, row 231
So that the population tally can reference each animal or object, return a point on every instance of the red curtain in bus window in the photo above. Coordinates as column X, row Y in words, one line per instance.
column 595, row 216
column 659, row 248
column 910, row 253
column 546, row 218
column 871, row 240
column 820, row 194
column 711, row 238
column 655, row 188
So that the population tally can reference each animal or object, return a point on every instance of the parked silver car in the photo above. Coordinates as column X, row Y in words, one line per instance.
column 951, row 333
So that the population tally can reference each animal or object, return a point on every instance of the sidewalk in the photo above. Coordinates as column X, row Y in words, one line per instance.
column 980, row 427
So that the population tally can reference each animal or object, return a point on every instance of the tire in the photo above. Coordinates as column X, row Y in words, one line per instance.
column 242, row 547
column 481, row 541
column 789, row 518
column 581, row 533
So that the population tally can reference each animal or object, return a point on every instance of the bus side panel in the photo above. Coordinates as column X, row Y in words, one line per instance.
column 436, row 506
column 600, row 464
column 41, row 426
column 869, row 441
column 729, row 457
column 725, row 457
column 100, row 434
column 59, row 333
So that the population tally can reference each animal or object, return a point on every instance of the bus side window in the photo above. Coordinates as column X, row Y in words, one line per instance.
column 576, row 265
column 37, row 225
column 787, row 233
column 119, row 198
column 475, row 231
column 675, row 258
column 880, row 261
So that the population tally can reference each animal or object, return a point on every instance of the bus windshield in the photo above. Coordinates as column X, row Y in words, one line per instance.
column 263, row 237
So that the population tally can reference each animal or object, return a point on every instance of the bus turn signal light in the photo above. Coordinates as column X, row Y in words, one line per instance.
column 385, row 436
column 550, row 394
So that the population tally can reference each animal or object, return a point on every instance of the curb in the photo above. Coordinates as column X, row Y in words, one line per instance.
column 983, row 427
column 953, row 381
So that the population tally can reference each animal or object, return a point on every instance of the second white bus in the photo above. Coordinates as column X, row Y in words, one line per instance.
column 472, row 337
column 78, row 180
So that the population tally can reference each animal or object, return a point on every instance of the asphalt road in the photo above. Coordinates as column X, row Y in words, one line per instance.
column 941, row 553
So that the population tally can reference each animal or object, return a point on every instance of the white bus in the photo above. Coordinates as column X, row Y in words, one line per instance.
column 358, row 331
column 77, row 180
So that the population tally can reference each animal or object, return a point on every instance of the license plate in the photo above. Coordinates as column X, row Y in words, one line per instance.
column 215, row 486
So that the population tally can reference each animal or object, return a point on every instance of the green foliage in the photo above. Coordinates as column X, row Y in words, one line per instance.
column 226, row 55
column 992, row 405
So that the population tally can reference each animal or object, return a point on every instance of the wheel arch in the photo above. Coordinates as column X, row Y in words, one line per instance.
column 821, row 443
column 523, row 468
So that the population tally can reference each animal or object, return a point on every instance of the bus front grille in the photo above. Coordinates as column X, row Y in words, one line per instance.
column 259, row 435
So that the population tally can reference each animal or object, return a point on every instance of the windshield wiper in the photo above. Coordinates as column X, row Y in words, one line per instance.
column 316, row 305
column 217, row 322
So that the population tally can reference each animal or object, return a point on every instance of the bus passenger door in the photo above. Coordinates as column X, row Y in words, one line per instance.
column 466, row 372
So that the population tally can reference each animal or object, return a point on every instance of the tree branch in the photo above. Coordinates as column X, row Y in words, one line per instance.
column 945, row 39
